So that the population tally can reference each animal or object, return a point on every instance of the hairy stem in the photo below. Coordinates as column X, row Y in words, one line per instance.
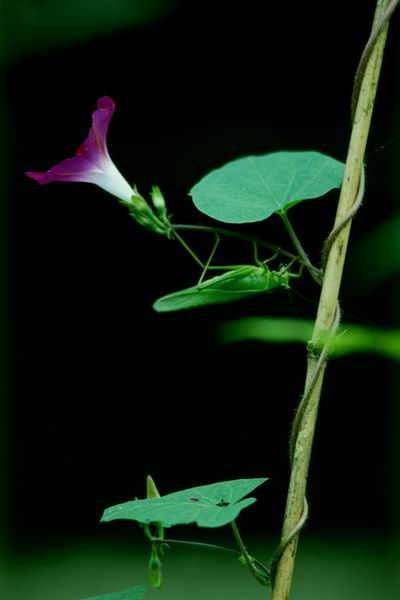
column 327, row 311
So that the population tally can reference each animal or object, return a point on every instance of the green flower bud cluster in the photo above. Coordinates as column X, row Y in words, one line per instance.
column 142, row 212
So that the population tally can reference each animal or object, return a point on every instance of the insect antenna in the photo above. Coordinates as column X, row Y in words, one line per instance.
column 383, row 146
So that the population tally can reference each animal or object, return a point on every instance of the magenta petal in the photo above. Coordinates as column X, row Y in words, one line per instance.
column 70, row 169
column 92, row 162
column 95, row 145
column 91, row 156
column 36, row 175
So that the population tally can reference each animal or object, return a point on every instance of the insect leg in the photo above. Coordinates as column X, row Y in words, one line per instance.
column 267, row 260
column 213, row 251
column 188, row 249
column 262, row 263
column 299, row 274
column 256, row 259
column 285, row 268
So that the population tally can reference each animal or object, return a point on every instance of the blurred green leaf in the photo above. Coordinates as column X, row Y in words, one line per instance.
column 238, row 284
column 266, row 330
column 211, row 505
column 133, row 593
column 253, row 188
column 28, row 26
column 382, row 246
column 350, row 339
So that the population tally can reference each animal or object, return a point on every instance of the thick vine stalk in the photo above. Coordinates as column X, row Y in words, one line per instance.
column 327, row 314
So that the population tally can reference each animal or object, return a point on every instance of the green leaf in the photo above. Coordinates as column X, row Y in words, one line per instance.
column 133, row 593
column 253, row 188
column 238, row 284
column 266, row 330
column 212, row 505
column 350, row 339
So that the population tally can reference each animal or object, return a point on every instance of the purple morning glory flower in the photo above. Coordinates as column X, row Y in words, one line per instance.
column 92, row 162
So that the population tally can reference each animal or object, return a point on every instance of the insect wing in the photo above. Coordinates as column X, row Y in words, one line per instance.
column 234, row 285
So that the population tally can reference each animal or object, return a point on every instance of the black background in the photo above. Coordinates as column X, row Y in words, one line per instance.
column 106, row 390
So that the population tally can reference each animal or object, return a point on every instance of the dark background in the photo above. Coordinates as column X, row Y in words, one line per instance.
column 103, row 389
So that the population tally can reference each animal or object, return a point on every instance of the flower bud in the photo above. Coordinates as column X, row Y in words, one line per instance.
column 152, row 491
column 159, row 203
column 155, row 576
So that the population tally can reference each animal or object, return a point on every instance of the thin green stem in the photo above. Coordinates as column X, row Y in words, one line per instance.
column 188, row 249
column 262, row 578
column 235, row 235
column 314, row 272
column 147, row 532
column 201, row 545
column 264, row 572
column 199, row 262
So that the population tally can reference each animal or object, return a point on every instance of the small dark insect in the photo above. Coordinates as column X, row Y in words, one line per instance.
column 194, row 499
column 222, row 503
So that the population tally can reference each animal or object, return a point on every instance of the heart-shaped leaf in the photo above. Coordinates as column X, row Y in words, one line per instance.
column 253, row 188
column 212, row 505
column 241, row 283
column 134, row 593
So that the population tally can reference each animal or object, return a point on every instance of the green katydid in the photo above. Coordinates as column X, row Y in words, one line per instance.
column 241, row 282
column 238, row 282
